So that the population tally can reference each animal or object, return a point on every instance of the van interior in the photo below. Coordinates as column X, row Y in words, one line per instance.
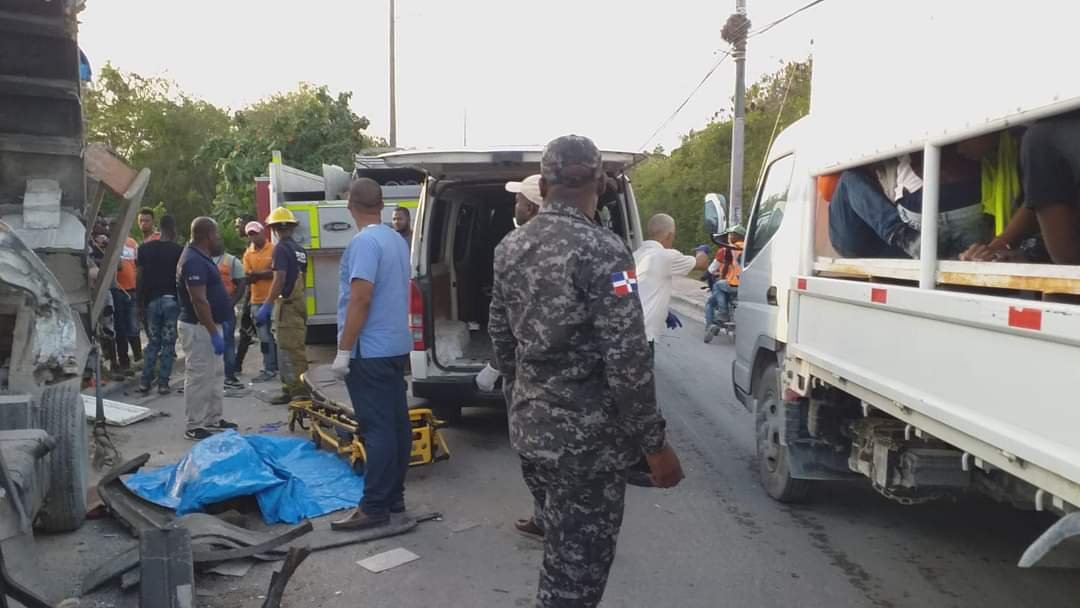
column 468, row 221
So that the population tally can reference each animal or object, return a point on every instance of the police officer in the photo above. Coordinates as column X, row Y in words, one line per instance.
column 287, row 305
column 569, row 337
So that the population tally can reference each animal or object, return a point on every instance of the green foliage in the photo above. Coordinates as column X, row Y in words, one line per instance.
column 309, row 126
column 677, row 184
column 204, row 161
column 151, row 124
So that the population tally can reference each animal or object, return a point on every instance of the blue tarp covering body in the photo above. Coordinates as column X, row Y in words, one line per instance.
column 290, row 478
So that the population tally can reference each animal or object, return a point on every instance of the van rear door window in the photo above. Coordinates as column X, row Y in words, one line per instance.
column 768, row 210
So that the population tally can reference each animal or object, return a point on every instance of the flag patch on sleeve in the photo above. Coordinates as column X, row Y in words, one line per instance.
column 624, row 283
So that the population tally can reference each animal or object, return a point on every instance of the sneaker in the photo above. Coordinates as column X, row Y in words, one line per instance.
column 163, row 389
column 233, row 383
column 908, row 239
column 281, row 398
column 263, row 376
column 197, row 434
column 222, row 425
column 144, row 389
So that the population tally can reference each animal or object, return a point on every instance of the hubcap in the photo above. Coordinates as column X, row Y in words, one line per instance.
column 770, row 434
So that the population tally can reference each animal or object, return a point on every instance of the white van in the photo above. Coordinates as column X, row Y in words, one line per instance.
column 464, row 212
column 930, row 376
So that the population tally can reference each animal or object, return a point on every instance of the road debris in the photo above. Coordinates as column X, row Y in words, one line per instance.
column 280, row 578
column 388, row 559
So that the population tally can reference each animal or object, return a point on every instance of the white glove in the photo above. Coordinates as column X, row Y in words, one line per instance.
column 340, row 366
column 487, row 377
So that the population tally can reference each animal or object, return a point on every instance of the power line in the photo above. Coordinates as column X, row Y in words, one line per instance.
column 784, row 18
column 724, row 56
column 682, row 105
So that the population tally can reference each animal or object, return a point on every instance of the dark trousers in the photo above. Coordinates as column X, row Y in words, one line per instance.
column 862, row 221
column 582, row 514
column 378, row 393
column 228, row 329
column 126, row 327
column 247, row 336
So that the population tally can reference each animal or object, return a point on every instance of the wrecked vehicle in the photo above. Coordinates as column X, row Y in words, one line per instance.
column 50, row 190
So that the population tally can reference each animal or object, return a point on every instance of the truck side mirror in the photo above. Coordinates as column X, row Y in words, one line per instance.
column 716, row 216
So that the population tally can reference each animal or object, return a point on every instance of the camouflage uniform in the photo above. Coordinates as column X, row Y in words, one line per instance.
column 569, row 338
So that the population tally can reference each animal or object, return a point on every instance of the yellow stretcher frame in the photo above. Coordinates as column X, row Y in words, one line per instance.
column 333, row 427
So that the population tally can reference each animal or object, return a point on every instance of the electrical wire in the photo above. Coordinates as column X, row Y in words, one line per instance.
column 725, row 55
column 682, row 105
column 768, row 27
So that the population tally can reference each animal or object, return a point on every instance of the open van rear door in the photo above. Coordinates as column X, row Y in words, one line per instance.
column 494, row 164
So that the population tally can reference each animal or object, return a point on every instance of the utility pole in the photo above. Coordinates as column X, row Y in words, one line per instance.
column 393, row 83
column 734, row 33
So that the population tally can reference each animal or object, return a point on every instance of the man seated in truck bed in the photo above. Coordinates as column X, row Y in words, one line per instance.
column 880, row 218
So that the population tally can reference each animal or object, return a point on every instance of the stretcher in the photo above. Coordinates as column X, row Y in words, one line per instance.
column 328, row 417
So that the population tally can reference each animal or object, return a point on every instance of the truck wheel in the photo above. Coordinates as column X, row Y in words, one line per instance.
column 63, row 417
column 772, row 456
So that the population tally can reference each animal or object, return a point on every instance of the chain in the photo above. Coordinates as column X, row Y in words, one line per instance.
column 905, row 500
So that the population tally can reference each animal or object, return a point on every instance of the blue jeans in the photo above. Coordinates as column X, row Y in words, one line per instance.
column 266, row 344
column 161, row 315
column 957, row 229
column 229, row 330
column 377, row 390
column 862, row 221
column 718, row 307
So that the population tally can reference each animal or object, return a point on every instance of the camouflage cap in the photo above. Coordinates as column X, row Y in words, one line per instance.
column 571, row 160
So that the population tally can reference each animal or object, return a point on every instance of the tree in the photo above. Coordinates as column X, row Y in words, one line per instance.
column 309, row 126
column 677, row 184
column 152, row 124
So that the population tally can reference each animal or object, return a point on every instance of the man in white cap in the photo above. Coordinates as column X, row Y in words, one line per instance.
column 527, row 203
column 527, row 199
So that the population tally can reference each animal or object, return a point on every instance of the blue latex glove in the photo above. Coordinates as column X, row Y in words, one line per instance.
column 263, row 316
column 704, row 249
column 673, row 322
column 218, row 342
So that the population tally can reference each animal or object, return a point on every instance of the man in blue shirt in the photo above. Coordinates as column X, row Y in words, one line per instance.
column 373, row 341
column 204, row 307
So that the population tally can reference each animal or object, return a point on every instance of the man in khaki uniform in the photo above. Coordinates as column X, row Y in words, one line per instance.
column 286, row 306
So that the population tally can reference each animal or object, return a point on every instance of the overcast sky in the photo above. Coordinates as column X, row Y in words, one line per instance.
column 524, row 72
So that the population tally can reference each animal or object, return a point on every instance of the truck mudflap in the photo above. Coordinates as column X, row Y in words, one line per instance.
column 52, row 351
column 1058, row 547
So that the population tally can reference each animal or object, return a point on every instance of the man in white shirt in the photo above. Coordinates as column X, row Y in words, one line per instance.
column 656, row 264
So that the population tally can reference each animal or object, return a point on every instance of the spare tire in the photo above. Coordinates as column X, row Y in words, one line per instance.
column 63, row 417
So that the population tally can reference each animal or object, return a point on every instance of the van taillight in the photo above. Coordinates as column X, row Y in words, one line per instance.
column 416, row 316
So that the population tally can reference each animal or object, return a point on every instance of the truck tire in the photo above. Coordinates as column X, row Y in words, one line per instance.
column 63, row 417
column 772, row 457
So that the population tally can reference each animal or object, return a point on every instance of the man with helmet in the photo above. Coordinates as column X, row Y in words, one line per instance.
column 724, row 271
column 286, row 305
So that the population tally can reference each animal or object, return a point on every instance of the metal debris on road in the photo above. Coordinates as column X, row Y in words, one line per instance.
column 388, row 559
column 117, row 413
column 463, row 526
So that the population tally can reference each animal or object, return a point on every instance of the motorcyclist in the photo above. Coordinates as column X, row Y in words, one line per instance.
column 723, row 276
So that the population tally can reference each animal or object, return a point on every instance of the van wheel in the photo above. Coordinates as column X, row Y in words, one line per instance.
column 64, row 419
column 449, row 413
column 772, row 457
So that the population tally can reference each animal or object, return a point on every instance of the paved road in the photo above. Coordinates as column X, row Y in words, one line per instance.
column 716, row 540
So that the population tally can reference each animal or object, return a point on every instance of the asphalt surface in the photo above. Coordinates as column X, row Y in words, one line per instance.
column 716, row 540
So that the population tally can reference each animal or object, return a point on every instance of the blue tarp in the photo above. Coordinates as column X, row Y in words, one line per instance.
column 290, row 478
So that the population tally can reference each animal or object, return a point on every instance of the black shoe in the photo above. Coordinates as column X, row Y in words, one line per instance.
column 281, row 398
column 908, row 239
column 222, row 425
column 398, row 508
column 639, row 479
column 163, row 389
column 144, row 389
column 197, row 434
column 233, row 383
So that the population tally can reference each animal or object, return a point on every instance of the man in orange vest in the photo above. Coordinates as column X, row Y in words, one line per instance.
column 124, row 317
column 725, row 269
column 232, row 276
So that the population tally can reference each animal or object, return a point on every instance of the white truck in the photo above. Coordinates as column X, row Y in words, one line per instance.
column 928, row 376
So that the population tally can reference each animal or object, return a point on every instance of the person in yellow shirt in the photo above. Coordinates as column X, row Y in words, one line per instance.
column 258, row 259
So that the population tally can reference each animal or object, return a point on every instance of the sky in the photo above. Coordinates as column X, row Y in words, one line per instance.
column 475, row 72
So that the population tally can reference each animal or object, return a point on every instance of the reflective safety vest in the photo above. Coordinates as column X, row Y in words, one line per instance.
column 1001, row 182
